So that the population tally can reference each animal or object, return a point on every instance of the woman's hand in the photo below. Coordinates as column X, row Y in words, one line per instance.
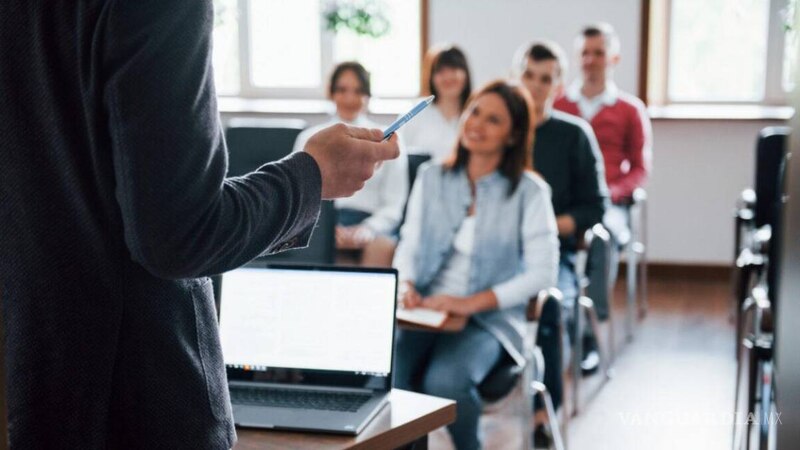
column 462, row 306
column 457, row 306
column 407, row 295
column 354, row 237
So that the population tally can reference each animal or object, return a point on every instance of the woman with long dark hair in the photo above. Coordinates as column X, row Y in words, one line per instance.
column 479, row 240
column 447, row 77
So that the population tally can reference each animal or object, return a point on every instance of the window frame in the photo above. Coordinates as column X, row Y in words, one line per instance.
column 654, row 75
column 248, row 90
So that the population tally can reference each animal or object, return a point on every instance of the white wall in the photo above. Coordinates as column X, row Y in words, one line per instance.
column 489, row 32
column 699, row 169
column 699, row 166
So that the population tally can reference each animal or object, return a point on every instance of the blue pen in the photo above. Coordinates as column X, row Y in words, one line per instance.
column 408, row 116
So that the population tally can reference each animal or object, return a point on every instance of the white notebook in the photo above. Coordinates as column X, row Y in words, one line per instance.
column 422, row 316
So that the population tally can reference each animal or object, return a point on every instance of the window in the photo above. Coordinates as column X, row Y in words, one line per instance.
column 283, row 49
column 791, row 47
column 719, row 51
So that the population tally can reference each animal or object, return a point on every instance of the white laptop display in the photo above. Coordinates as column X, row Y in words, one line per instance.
column 308, row 348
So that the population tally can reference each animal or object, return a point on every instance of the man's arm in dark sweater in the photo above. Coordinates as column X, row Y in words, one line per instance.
column 182, row 218
column 590, row 194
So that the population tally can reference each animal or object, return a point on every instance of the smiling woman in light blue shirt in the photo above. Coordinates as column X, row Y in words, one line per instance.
column 479, row 240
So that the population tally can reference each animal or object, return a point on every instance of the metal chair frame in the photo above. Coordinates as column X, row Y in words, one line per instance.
column 584, row 308
column 530, row 376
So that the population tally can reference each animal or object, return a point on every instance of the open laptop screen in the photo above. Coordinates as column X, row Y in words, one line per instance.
column 283, row 323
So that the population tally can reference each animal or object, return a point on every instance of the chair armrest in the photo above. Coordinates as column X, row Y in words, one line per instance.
column 639, row 196
column 536, row 304
column 747, row 199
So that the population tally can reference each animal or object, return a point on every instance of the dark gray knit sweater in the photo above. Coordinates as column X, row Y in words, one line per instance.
column 113, row 206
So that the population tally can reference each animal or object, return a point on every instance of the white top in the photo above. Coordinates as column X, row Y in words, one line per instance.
column 383, row 195
column 514, row 291
column 453, row 279
column 589, row 107
column 431, row 133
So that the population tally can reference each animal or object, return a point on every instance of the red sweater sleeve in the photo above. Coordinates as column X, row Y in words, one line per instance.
column 638, row 148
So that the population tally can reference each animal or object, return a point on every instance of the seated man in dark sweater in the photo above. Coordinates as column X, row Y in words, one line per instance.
column 566, row 154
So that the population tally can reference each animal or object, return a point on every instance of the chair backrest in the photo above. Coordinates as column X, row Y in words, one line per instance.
column 770, row 151
column 501, row 380
column 776, row 238
column 598, row 265
column 255, row 142
column 414, row 161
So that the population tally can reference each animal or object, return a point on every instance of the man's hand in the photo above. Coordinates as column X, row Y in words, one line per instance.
column 347, row 157
column 354, row 237
column 566, row 225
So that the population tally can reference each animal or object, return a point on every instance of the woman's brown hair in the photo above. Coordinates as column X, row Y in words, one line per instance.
column 440, row 57
column 517, row 156
column 358, row 70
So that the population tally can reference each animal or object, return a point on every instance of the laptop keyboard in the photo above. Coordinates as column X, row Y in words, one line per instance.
column 293, row 398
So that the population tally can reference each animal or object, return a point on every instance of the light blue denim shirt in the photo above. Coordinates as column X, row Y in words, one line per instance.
column 515, row 251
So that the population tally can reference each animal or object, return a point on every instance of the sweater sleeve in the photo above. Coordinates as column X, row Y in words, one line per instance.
column 181, row 217
column 638, row 150
column 539, row 252
column 590, row 194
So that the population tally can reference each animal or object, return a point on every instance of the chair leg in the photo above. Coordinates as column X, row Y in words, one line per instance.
column 552, row 418
column 612, row 340
column 744, row 368
column 526, row 405
column 642, row 300
column 588, row 307
column 577, row 352
column 631, row 263
column 642, row 240
column 752, row 386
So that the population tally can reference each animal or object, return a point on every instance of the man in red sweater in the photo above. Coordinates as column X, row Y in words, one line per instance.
column 619, row 121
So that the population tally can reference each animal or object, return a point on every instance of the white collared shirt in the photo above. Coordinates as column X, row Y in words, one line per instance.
column 589, row 107
column 431, row 133
column 383, row 195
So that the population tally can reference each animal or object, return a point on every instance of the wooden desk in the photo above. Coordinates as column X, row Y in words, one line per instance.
column 408, row 418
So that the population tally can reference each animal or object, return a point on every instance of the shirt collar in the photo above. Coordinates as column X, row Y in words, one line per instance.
column 608, row 97
column 361, row 121
column 489, row 178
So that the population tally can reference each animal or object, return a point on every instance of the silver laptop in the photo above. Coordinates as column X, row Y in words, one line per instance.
column 308, row 348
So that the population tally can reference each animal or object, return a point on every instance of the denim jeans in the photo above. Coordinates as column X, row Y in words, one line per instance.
column 449, row 365
column 547, row 337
